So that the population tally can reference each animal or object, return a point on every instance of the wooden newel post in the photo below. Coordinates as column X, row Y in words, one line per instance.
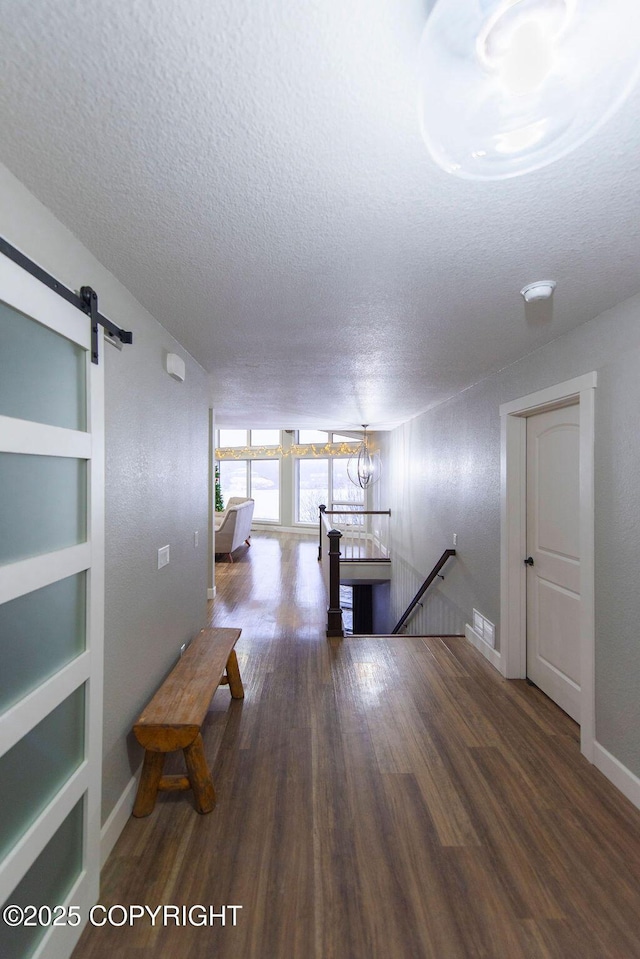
column 321, row 508
column 334, row 613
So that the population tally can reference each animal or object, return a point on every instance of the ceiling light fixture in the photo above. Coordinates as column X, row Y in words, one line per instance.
column 363, row 469
column 540, row 290
column 509, row 86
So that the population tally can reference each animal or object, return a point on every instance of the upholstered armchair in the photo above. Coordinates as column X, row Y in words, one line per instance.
column 233, row 526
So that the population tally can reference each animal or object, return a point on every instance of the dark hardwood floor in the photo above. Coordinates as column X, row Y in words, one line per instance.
column 386, row 798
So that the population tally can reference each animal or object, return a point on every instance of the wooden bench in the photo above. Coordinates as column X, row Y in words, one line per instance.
column 173, row 718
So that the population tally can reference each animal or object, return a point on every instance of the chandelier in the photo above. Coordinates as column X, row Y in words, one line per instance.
column 363, row 468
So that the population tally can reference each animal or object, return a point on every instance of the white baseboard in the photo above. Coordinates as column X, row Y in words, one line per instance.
column 615, row 771
column 211, row 593
column 487, row 651
column 117, row 819
column 274, row 528
column 621, row 777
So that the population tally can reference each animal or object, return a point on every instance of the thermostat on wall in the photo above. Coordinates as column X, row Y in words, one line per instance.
column 175, row 366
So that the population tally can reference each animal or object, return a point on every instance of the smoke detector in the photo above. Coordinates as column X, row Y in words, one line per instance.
column 540, row 290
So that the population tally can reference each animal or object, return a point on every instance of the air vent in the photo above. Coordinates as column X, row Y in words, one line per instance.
column 485, row 630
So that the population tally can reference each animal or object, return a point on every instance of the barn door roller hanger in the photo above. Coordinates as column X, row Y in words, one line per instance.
column 86, row 300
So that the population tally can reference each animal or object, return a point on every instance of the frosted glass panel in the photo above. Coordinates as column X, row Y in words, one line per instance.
column 42, row 374
column 40, row 633
column 47, row 883
column 43, row 506
column 35, row 769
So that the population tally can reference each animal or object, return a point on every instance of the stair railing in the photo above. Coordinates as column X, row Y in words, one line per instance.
column 361, row 541
column 330, row 559
column 425, row 586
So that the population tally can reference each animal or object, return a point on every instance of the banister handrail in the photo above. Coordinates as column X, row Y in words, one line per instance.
column 356, row 512
column 326, row 526
column 425, row 586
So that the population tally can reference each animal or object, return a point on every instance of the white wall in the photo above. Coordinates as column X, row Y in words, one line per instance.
column 157, row 441
column 443, row 476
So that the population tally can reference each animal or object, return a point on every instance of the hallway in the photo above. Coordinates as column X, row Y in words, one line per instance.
column 385, row 798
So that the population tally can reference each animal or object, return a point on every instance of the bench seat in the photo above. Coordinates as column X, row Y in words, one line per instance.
column 173, row 718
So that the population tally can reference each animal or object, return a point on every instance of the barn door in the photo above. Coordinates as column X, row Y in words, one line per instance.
column 51, row 618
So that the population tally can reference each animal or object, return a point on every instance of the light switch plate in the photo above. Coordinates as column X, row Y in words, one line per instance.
column 163, row 556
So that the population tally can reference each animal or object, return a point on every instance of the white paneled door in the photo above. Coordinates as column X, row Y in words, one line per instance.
column 553, row 555
column 51, row 618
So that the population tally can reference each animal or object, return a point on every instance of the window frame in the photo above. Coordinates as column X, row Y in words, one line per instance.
column 330, row 441
column 248, row 481
column 266, row 446
column 332, row 503
column 221, row 446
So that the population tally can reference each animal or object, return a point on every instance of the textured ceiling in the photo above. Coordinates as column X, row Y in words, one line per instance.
column 253, row 172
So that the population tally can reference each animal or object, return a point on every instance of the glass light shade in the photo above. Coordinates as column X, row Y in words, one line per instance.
column 363, row 467
column 509, row 86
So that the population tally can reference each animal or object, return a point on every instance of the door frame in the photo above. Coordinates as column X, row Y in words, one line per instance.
column 513, row 530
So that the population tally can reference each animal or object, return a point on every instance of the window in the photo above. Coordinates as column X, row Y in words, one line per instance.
column 265, row 437
column 259, row 479
column 322, row 480
column 264, row 482
column 312, row 488
column 289, row 482
column 342, row 489
column 323, row 437
column 235, row 439
column 313, row 436
column 233, row 478
column 232, row 438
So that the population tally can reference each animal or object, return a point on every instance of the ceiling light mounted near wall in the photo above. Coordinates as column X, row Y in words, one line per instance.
column 540, row 290
column 363, row 468
column 509, row 86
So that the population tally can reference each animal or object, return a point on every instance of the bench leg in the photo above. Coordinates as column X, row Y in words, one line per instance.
column 149, row 782
column 233, row 675
column 199, row 776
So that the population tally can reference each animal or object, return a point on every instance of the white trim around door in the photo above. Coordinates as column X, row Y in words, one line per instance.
column 513, row 606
